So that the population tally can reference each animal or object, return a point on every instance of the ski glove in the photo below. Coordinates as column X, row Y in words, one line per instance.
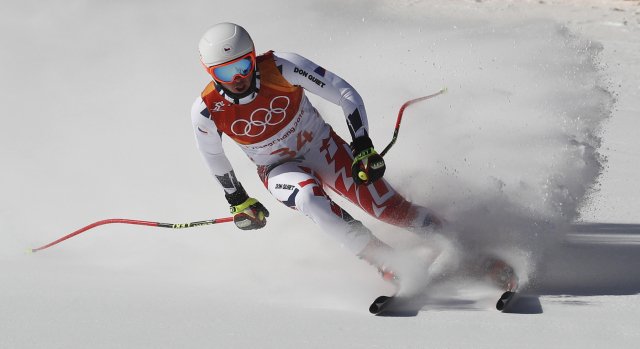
column 368, row 166
column 250, row 214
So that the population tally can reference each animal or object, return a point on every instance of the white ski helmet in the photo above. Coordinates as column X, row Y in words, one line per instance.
column 224, row 42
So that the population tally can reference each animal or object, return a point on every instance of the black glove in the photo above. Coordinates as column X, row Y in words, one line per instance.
column 368, row 166
column 248, row 213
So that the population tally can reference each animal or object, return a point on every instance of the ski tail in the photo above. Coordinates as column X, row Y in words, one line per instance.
column 504, row 301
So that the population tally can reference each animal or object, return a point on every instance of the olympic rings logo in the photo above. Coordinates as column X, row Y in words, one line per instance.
column 261, row 118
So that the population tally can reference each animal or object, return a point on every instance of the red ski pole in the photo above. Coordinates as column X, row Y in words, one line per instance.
column 131, row 221
column 402, row 108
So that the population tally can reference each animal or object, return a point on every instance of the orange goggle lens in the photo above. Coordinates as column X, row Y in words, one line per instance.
column 240, row 67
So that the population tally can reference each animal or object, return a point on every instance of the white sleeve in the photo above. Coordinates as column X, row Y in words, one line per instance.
column 319, row 81
column 209, row 142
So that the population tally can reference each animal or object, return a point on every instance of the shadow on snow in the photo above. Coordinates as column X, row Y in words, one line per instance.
column 594, row 259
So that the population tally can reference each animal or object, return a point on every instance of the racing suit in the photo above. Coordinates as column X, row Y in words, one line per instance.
column 298, row 155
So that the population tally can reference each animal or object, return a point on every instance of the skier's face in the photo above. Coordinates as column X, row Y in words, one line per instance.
column 235, row 75
column 239, row 85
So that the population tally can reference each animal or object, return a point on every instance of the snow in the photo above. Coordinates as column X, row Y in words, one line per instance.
column 536, row 133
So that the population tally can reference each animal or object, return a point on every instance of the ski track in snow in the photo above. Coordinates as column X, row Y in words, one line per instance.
column 528, row 140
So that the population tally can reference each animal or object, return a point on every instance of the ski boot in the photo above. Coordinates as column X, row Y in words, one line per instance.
column 378, row 254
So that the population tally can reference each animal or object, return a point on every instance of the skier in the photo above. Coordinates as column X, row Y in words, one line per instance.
column 260, row 103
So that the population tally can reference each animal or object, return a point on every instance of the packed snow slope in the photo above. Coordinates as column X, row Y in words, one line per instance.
column 531, row 155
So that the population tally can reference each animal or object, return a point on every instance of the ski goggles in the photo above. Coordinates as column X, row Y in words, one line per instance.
column 240, row 67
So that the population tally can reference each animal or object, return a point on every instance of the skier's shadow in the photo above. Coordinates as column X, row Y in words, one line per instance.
column 592, row 259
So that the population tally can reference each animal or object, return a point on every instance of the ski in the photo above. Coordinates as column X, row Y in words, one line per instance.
column 396, row 305
column 505, row 300
column 502, row 275
column 496, row 272
column 380, row 304
column 383, row 304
